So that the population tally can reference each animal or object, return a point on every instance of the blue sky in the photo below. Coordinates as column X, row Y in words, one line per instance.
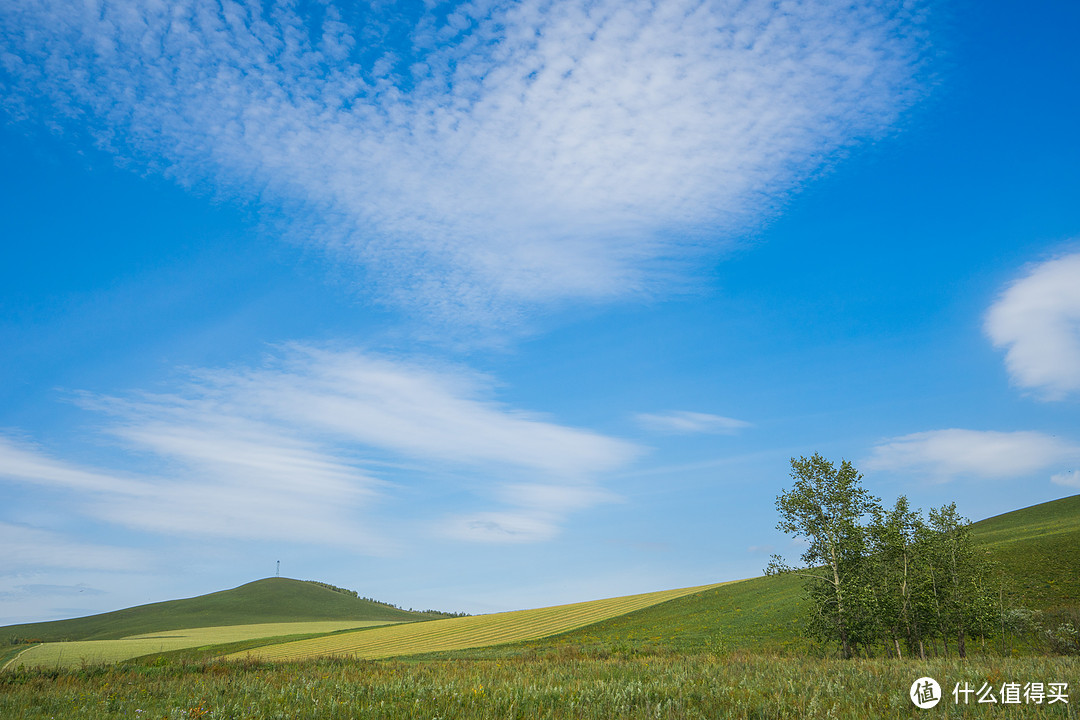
column 482, row 306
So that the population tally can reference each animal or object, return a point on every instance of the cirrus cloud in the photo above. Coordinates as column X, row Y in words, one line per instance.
column 286, row 450
column 478, row 157
column 688, row 422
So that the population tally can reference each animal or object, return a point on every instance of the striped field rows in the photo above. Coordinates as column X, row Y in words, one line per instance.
column 79, row 652
column 465, row 632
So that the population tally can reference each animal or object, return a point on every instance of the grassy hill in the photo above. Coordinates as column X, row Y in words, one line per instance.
column 272, row 600
column 463, row 632
column 1038, row 548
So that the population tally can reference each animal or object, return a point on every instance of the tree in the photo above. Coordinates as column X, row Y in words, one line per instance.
column 964, row 598
column 877, row 577
column 826, row 507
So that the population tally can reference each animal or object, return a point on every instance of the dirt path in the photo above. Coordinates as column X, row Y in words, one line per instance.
column 12, row 660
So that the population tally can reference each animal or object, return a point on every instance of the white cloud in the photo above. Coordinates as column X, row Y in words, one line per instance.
column 1037, row 320
column 251, row 419
column 509, row 154
column 946, row 454
column 225, row 488
column 1069, row 478
column 279, row 451
column 685, row 422
column 25, row 462
column 535, row 514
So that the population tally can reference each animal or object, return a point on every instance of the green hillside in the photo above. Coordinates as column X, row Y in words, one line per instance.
column 272, row 600
column 1038, row 548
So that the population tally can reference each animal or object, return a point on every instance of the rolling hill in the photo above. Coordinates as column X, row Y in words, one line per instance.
column 463, row 632
column 1038, row 549
column 271, row 600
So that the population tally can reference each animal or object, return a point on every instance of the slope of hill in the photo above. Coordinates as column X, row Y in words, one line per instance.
column 463, row 632
column 1037, row 547
column 271, row 600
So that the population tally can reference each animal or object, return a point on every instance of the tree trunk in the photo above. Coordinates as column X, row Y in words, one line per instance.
column 841, row 625
column 899, row 655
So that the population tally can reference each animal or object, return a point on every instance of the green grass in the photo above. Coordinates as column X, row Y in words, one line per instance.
column 466, row 632
column 272, row 600
column 731, row 651
column 1038, row 549
column 758, row 615
column 569, row 685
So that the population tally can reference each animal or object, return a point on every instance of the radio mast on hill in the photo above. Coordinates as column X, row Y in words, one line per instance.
column 278, row 572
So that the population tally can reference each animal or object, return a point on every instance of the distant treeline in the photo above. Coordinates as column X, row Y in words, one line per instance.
column 354, row 594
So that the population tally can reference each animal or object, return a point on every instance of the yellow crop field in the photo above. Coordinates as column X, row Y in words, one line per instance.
column 74, row 654
column 466, row 632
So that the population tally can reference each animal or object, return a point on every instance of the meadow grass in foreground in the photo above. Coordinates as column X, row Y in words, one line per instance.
column 570, row 685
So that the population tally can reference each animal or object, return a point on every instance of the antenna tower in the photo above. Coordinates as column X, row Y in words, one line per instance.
column 278, row 573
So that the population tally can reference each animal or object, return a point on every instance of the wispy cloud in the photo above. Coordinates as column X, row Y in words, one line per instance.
column 1037, row 321
column 687, row 422
column 480, row 156
column 226, row 487
column 534, row 512
column 285, row 450
column 947, row 454
column 23, row 461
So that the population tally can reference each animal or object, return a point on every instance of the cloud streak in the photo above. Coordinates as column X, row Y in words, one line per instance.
column 1037, row 321
column 687, row 422
column 479, row 157
column 285, row 451
column 982, row 454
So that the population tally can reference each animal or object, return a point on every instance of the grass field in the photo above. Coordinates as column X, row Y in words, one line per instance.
column 722, row 651
column 80, row 652
column 1038, row 549
column 466, row 632
column 757, row 615
column 670, row 686
column 271, row 600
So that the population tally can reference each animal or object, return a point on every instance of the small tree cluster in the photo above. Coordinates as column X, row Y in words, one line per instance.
column 883, row 578
column 335, row 588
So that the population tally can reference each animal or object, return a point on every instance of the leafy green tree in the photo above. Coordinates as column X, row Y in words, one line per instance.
column 964, row 597
column 896, row 570
column 826, row 507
